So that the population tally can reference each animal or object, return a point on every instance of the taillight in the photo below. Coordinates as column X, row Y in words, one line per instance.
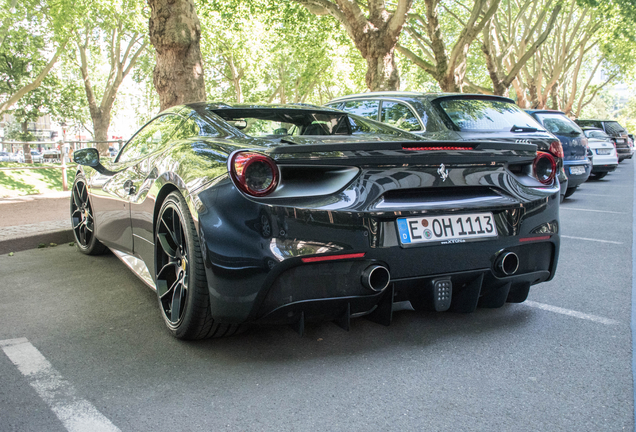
column 254, row 173
column 545, row 167
column 556, row 149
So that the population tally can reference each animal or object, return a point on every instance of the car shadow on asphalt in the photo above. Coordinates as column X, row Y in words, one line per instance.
column 325, row 339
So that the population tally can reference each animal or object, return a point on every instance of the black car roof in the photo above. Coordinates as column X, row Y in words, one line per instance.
column 413, row 95
column 615, row 121
column 543, row 111
column 247, row 106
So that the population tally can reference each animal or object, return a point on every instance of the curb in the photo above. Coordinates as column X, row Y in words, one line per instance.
column 33, row 241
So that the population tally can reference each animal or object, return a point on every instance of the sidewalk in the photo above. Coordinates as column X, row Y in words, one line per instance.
column 28, row 221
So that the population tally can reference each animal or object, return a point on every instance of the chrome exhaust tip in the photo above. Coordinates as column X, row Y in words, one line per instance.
column 376, row 278
column 508, row 263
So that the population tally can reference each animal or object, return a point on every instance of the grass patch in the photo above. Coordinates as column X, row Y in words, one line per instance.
column 28, row 182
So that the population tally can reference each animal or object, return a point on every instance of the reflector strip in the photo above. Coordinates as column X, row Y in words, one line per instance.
column 332, row 257
column 437, row 148
column 528, row 239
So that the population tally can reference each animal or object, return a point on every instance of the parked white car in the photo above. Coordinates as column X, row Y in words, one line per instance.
column 603, row 152
column 5, row 157
column 36, row 156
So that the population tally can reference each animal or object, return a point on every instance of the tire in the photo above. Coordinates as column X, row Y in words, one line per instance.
column 599, row 176
column 83, row 220
column 570, row 191
column 182, row 288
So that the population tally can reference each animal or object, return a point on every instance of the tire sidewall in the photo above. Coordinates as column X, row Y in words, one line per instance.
column 91, row 247
column 176, row 201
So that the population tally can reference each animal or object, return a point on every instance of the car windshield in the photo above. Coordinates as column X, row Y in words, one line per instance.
column 486, row 115
column 558, row 124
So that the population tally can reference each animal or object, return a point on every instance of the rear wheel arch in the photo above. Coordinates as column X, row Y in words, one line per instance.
column 165, row 190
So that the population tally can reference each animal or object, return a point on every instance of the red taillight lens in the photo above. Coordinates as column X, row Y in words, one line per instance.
column 545, row 167
column 556, row 149
column 254, row 173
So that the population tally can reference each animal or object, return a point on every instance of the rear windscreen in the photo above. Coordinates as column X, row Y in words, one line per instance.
column 589, row 123
column 614, row 128
column 269, row 122
column 486, row 115
column 276, row 123
column 558, row 124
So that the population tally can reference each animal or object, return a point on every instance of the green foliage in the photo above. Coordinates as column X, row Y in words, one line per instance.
column 271, row 51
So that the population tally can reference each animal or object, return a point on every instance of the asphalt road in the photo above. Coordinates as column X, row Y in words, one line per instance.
column 82, row 338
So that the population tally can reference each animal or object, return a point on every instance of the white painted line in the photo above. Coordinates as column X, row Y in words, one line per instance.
column 571, row 313
column 589, row 239
column 75, row 413
column 590, row 210
column 598, row 195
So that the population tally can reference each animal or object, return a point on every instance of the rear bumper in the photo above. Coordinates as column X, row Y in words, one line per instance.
column 575, row 180
column 331, row 291
column 604, row 168
column 254, row 254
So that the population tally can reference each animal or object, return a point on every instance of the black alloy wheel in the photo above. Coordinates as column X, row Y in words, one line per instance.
column 180, row 279
column 83, row 220
column 172, row 265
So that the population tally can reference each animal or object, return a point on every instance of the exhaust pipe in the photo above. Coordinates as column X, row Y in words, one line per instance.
column 376, row 278
column 508, row 263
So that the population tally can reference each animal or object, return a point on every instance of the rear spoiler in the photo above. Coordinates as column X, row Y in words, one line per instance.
column 411, row 146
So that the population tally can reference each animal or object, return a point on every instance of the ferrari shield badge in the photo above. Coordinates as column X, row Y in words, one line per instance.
column 443, row 172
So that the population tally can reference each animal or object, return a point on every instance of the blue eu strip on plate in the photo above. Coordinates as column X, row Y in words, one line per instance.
column 403, row 230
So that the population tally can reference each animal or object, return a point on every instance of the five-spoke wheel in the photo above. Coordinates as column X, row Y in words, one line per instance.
column 83, row 220
column 172, row 264
column 182, row 288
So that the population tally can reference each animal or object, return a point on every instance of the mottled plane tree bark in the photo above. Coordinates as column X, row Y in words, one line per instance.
column 175, row 32
column 374, row 31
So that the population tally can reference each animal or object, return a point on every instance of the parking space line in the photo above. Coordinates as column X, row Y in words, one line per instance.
column 571, row 313
column 590, row 210
column 597, row 195
column 75, row 413
column 589, row 239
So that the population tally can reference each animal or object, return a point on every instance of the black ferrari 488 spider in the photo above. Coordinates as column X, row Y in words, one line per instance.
column 243, row 213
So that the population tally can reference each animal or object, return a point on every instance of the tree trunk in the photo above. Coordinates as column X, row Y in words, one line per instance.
column 25, row 147
column 175, row 32
column 101, row 123
column 376, row 36
column 382, row 72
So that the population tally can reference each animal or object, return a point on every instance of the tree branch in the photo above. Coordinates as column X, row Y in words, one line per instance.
column 36, row 82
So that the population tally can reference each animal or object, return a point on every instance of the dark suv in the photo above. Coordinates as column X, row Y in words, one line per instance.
column 455, row 117
column 576, row 164
column 617, row 133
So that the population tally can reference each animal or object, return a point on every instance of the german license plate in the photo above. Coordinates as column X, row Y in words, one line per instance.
column 603, row 151
column 620, row 140
column 446, row 229
column 576, row 170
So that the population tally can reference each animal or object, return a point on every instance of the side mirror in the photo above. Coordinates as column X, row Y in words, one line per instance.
column 86, row 156
column 90, row 157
